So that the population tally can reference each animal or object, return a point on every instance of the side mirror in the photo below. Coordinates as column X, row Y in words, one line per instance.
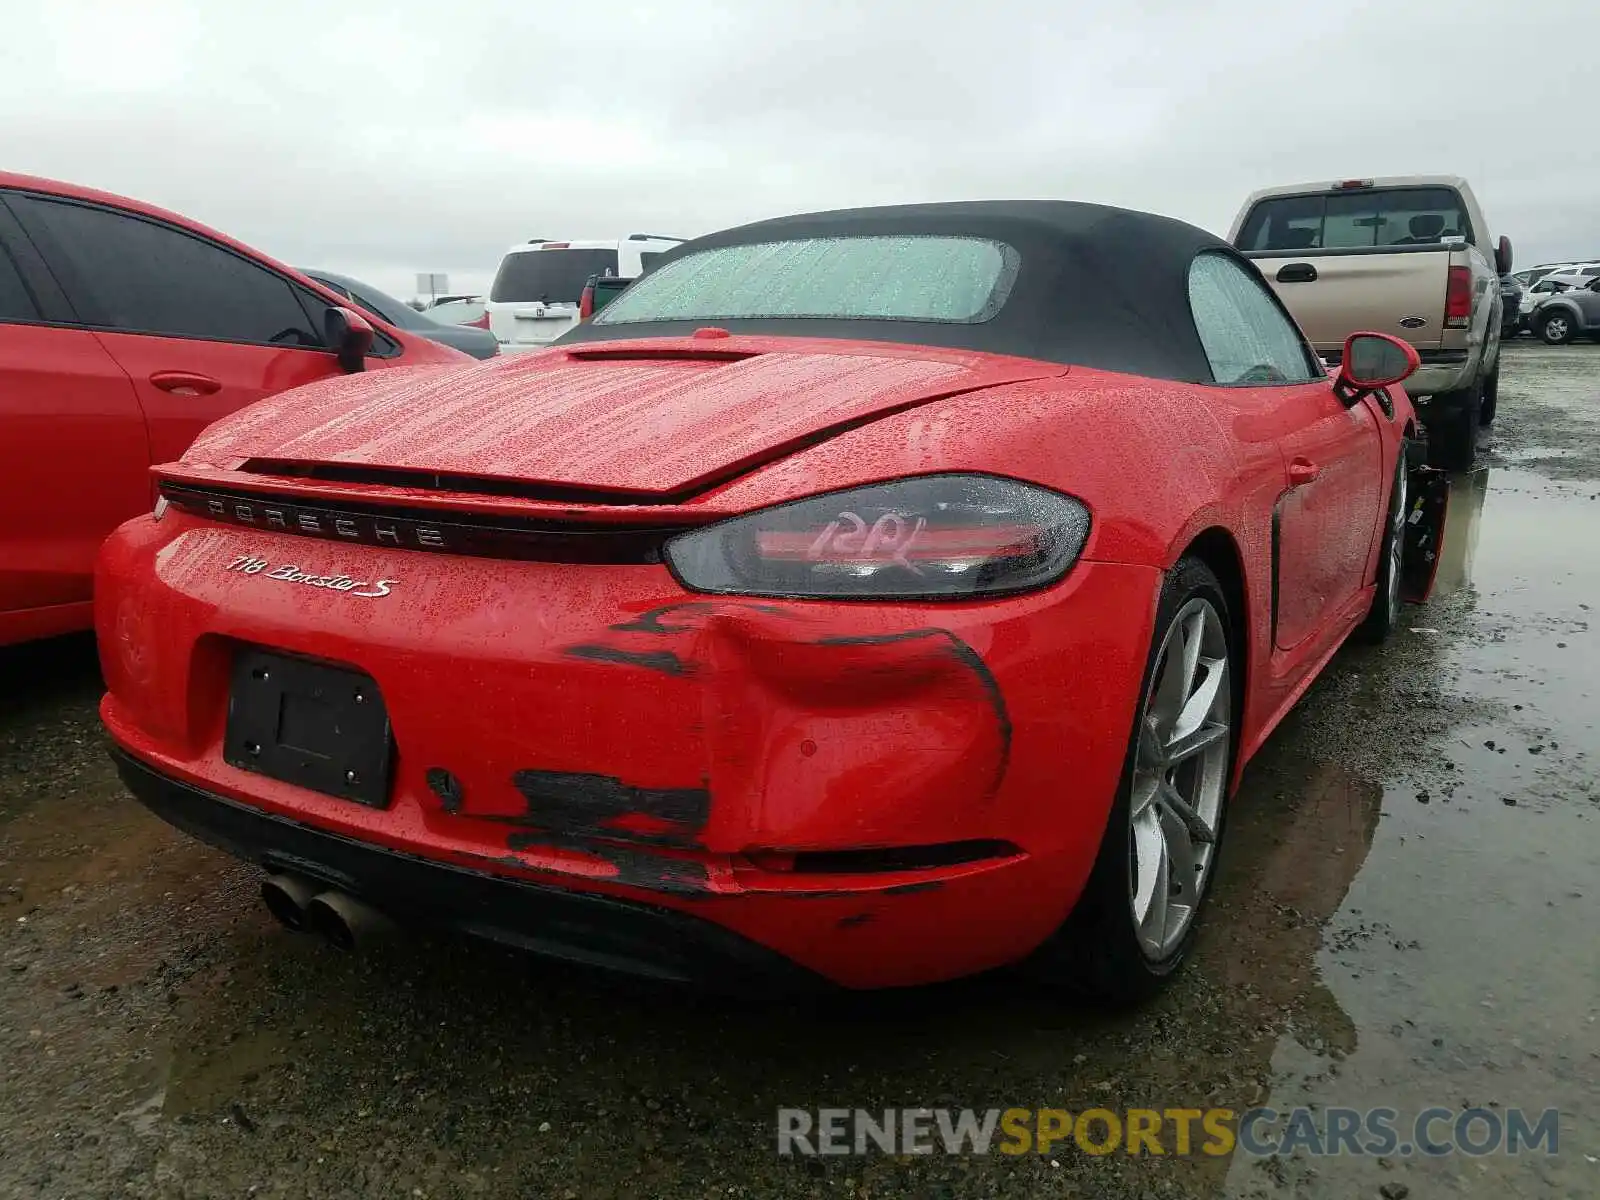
column 350, row 335
column 1502, row 256
column 1374, row 360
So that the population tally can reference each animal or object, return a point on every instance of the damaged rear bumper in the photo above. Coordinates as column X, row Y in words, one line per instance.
column 884, row 794
column 583, row 927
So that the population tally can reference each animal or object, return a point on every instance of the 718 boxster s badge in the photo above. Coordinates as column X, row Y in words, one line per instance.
column 870, row 597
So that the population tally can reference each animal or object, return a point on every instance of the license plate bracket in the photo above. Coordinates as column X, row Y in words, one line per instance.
column 317, row 726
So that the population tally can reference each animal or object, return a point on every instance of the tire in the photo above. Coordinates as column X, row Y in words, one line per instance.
column 1453, row 428
column 1491, row 399
column 1104, row 952
column 1384, row 615
column 1556, row 328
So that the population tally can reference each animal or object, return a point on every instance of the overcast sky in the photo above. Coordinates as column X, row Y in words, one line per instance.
column 386, row 137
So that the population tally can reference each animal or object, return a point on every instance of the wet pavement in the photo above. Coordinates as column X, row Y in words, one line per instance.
column 1405, row 916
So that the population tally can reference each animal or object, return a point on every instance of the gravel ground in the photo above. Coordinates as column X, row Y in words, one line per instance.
column 1405, row 916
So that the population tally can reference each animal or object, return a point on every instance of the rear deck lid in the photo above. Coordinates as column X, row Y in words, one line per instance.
column 645, row 419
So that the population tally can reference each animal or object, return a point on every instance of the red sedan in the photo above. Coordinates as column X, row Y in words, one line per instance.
column 124, row 331
column 872, row 597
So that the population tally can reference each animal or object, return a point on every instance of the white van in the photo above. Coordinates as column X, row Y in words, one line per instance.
column 535, row 295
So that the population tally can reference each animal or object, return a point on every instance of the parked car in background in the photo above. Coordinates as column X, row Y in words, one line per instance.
column 124, row 331
column 1572, row 313
column 600, row 291
column 1511, row 294
column 470, row 311
column 1534, row 274
column 436, row 301
column 1408, row 255
column 539, row 286
column 477, row 342
column 830, row 699
column 1550, row 285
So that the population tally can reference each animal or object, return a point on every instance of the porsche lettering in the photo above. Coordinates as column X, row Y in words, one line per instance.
column 350, row 527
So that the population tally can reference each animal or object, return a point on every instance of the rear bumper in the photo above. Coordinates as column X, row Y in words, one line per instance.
column 613, row 737
column 580, row 927
column 1444, row 371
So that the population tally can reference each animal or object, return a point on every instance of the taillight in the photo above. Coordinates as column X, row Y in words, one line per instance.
column 1458, row 298
column 956, row 535
column 586, row 303
column 481, row 323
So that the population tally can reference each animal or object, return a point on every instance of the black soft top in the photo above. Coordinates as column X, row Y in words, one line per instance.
column 1097, row 286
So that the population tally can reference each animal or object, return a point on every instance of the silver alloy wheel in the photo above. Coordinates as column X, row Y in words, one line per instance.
column 1397, row 539
column 1179, row 777
column 1555, row 329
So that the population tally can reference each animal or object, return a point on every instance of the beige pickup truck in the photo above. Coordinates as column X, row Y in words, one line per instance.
column 1409, row 256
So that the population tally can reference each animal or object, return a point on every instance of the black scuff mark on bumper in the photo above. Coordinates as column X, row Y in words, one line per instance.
column 664, row 661
column 651, row 621
column 446, row 787
column 569, row 802
column 967, row 657
column 854, row 920
column 635, row 868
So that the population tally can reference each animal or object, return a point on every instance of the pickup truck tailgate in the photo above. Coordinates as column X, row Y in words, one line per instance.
column 1333, row 295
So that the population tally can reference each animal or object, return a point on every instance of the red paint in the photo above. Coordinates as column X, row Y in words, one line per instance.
column 815, row 725
column 85, row 413
column 1323, row 539
column 648, row 419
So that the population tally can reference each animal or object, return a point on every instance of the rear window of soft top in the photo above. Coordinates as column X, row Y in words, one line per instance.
column 915, row 277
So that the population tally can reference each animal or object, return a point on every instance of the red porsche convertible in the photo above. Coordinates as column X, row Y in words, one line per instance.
column 869, row 597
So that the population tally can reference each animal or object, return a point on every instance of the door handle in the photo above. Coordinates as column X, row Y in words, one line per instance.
column 185, row 383
column 1297, row 273
column 1302, row 471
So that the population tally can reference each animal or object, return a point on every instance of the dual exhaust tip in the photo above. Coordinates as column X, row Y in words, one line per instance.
column 306, row 907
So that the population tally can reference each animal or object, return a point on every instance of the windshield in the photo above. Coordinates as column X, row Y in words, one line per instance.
column 1356, row 220
column 887, row 278
column 550, row 276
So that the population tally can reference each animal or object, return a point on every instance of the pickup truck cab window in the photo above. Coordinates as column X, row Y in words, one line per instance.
column 1356, row 219
column 1246, row 336
column 140, row 276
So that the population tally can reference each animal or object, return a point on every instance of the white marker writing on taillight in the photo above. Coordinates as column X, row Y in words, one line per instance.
column 847, row 534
